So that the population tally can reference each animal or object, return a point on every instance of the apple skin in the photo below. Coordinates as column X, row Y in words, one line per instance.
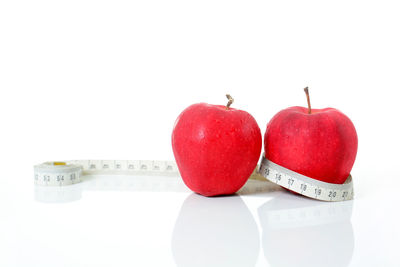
column 321, row 145
column 216, row 149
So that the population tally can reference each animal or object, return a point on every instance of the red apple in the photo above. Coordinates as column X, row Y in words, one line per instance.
column 216, row 148
column 318, row 143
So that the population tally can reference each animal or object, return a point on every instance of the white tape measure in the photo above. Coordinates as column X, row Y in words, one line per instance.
column 60, row 173
column 304, row 185
column 71, row 172
column 53, row 179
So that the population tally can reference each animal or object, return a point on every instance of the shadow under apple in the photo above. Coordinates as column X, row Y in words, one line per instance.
column 302, row 232
column 219, row 231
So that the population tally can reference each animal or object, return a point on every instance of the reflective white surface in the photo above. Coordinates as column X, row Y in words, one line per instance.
column 156, row 221
column 106, row 80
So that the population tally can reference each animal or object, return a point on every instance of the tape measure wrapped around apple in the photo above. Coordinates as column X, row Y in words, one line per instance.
column 216, row 148
column 308, row 151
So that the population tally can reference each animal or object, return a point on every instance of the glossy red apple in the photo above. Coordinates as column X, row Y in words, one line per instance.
column 216, row 148
column 318, row 143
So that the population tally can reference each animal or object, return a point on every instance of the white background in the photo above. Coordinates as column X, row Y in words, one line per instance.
column 106, row 80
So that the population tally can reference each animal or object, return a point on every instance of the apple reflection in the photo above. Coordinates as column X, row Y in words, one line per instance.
column 219, row 231
column 297, row 231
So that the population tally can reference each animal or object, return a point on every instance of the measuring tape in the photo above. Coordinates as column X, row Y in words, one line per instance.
column 60, row 173
column 304, row 185
column 53, row 178
column 71, row 172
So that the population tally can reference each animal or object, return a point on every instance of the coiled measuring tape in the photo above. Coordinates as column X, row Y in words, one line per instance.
column 304, row 185
column 71, row 172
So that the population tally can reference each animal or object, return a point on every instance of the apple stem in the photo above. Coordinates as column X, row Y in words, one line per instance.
column 230, row 101
column 308, row 99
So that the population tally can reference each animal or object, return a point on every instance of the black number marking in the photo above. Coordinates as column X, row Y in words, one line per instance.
column 317, row 191
column 303, row 187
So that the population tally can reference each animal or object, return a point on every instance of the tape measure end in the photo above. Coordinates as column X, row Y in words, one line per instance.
column 56, row 163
